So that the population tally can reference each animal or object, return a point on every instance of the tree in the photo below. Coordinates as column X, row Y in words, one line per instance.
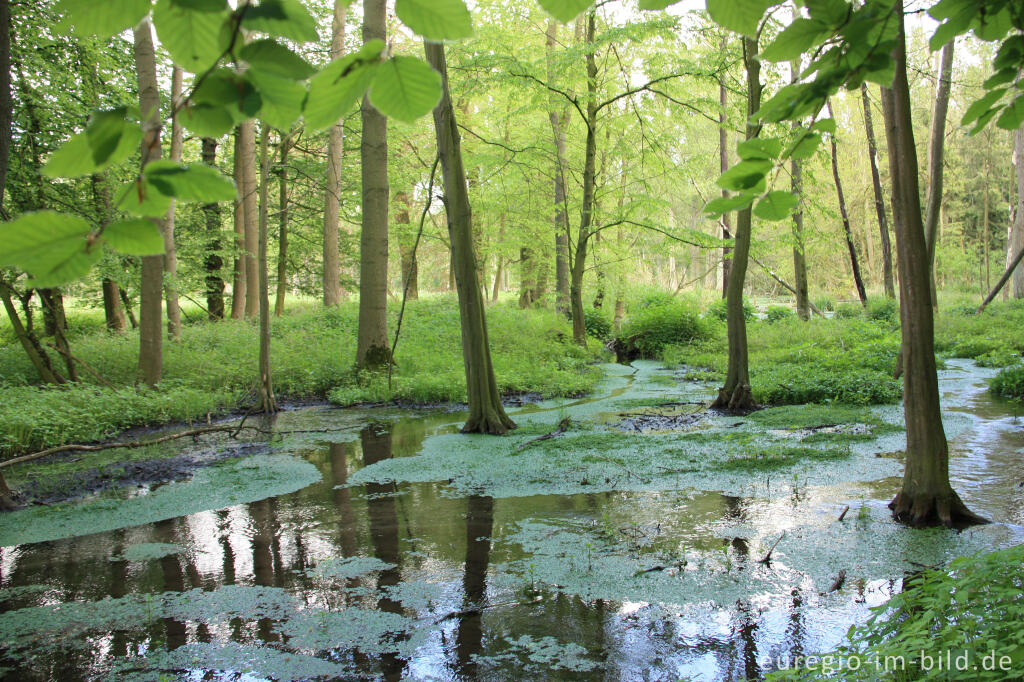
column 844, row 216
column 332, row 198
column 559, row 118
column 486, row 414
column 170, row 252
column 1015, row 244
column 239, row 270
column 213, row 261
column 372, row 349
column 282, row 222
column 250, row 211
column 935, row 161
column 268, row 404
column 876, row 185
column 723, row 155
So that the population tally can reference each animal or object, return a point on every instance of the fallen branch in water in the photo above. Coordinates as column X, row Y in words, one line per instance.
column 837, row 584
column 768, row 557
column 477, row 609
column 843, row 515
column 563, row 426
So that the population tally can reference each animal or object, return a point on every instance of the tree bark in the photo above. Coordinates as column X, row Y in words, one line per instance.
column 55, row 322
column 844, row 215
column 723, row 155
column 112, row 306
column 238, row 282
column 36, row 355
column 213, row 261
column 372, row 349
column 803, row 309
column 266, row 387
column 736, row 393
column 332, row 198
column 151, row 291
column 250, row 190
column 926, row 497
column 876, row 183
column 410, row 268
column 559, row 119
column 936, row 145
column 170, row 252
column 1016, row 241
column 282, row 237
column 486, row 414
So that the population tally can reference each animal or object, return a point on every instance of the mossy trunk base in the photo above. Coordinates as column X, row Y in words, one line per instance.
column 923, row 510
column 740, row 399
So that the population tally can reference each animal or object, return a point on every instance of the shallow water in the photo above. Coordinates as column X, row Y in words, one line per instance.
column 502, row 569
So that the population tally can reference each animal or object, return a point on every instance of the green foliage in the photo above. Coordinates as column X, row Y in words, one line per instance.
column 799, row 384
column 776, row 313
column 1009, row 383
column 847, row 311
column 825, row 304
column 994, row 333
column 649, row 330
column 597, row 324
column 405, row 88
column 436, row 19
column 719, row 310
column 972, row 610
column 883, row 309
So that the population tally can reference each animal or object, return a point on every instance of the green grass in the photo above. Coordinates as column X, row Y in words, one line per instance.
column 312, row 355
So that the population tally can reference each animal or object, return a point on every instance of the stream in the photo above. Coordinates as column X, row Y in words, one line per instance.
column 381, row 544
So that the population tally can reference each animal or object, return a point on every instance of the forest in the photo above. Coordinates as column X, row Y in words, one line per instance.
column 550, row 339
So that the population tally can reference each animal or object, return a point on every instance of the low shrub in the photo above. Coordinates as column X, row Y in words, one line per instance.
column 650, row 330
column 719, row 310
column 1003, row 357
column 777, row 313
column 848, row 311
column 598, row 326
column 1009, row 383
column 825, row 304
column 883, row 309
column 796, row 384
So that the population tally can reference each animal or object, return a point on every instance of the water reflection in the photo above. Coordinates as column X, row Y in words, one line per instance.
column 479, row 527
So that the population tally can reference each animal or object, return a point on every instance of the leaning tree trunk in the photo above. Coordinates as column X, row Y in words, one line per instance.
column 723, row 158
column 238, row 280
column 372, row 350
column 1016, row 241
column 803, row 309
column 854, row 263
column 56, row 325
column 266, row 387
column 282, row 237
column 170, row 253
column 213, row 262
column 151, row 292
column 332, row 193
column 250, row 190
column 876, row 183
column 736, row 393
column 936, row 144
column 486, row 414
column 926, row 497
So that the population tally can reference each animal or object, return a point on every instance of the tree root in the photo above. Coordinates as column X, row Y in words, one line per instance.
column 925, row 510
column 491, row 423
column 740, row 400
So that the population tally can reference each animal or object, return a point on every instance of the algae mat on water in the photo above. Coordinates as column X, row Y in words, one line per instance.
column 235, row 482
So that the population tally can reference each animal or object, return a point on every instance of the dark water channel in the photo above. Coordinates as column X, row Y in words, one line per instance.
column 400, row 580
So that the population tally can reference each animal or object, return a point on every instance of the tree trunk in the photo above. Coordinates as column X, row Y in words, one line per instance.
column 1016, row 241
column 854, row 264
column 170, row 253
column 55, row 322
column 36, row 355
column 250, row 190
column 985, row 238
column 151, row 291
column 238, row 282
column 803, row 309
column 332, row 198
column 213, row 261
column 282, row 237
column 558, row 118
column 527, row 277
column 723, row 155
column 266, row 388
column 410, row 268
column 112, row 306
column 876, row 183
column 127, row 305
column 936, row 143
column 372, row 349
column 486, row 414
column 926, row 497
column 736, row 393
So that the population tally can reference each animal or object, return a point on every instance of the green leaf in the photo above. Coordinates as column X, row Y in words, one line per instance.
column 565, row 10
column 194, row 182
column 405, row 88
column 436, row 19
column 956, row 24
column 1012, row 115
column 1001, row 77
column 776, row 205
column 825, row 125
column 202, row 5
column 273, row 58
column 101, row 18
column 282, row 18
column 794, row 40
column 981, row 105
column 138, row 237
column 76, row 157
column 105, row 132
column 742, row 16
column 722, row 205
column 207, row 120
column 759, row 148
column 804, row 147
column 50, row 246
column 745, row 176
column 340, row 84
column 829, row 12
column 281, row 99
column 140, row 198
column 195, row 40
column 656, row 4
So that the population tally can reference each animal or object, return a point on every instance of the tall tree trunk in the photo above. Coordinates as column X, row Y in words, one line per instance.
column 332, row 198
column 410, row 268
column 803, row 309
column 213, row 261
column 151, row 291
column 282, row 237
column 986, row 239
column 579, row 261
column 486, row 414
column 1016, row 241
column 33, row 349
column 527, row 277
column 936, row 143
column 266, row 387
column 844, row 215
column 127, row 305
column 55, row 322
column 736, row 393
column 876, row 183
column 112, row 306
column 926, row 497
column 170, row 252
column 372, row 344
column 238, row 282
column 558, row 117
column 723, row 157
column 250, row 190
